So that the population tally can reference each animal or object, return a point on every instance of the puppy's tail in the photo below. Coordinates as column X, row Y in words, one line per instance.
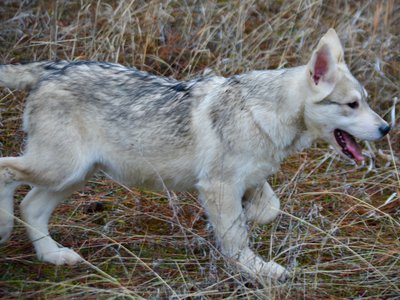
column 25, row 76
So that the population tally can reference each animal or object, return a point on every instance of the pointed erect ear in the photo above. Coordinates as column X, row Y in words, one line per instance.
column 323, row 65
column 332, row 40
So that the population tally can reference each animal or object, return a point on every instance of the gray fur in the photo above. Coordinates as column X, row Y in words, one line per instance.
column 223, row 136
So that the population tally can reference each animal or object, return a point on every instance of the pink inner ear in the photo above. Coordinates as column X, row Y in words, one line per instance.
column 321, row 65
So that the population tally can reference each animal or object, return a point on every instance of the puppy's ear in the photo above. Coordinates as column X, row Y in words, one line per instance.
column 322, row 69
column 332, row 40
column 322, row 66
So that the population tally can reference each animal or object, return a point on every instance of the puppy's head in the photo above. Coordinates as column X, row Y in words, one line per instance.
column 337, row 110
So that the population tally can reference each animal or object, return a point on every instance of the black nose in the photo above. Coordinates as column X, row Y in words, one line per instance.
column 384, row 129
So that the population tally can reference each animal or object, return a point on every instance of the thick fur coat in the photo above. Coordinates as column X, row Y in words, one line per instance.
column 221, row 136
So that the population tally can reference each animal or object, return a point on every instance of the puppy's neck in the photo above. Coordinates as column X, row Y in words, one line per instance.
column 277, row 99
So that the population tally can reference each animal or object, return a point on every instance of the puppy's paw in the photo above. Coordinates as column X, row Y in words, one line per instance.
column 256, row 266
column 61, row 256
column 275, row 271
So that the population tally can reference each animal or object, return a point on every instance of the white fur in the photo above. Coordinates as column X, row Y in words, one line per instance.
column 240, row 130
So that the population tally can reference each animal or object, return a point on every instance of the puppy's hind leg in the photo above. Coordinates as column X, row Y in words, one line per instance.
column 11, row 176
column 52, row 179
column 261, row 204
column 56, row 178
column 37, row 207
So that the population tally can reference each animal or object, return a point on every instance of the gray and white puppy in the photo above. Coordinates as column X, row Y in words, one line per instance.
column 222, row 136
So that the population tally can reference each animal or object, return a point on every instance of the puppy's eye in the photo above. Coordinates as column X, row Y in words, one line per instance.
column 353, row 105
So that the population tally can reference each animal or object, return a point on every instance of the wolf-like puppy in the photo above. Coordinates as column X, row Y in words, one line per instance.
column 223, row 136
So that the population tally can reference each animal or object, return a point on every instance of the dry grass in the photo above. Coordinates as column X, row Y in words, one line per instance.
column 340, row 226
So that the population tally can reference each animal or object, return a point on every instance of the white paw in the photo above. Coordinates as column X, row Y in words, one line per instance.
column 275, row 271
column 256, row 266
column 5, row 231
column 61, row 256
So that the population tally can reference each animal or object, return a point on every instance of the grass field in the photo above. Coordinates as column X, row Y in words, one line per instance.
column 339, row 231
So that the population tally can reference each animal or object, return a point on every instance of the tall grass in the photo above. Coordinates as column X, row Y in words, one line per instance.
column 340, row 224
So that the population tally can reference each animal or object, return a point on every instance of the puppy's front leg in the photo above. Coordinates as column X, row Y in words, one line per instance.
column 261, row 204
column 223, row 204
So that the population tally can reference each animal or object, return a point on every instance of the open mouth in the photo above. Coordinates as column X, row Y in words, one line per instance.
column 348, row 145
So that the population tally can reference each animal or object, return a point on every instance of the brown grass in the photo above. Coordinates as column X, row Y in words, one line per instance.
column 340, row 224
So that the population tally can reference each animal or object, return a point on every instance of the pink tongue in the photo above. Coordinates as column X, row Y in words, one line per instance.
column 353, row 147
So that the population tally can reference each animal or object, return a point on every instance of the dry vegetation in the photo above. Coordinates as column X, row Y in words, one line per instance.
column 340, row 226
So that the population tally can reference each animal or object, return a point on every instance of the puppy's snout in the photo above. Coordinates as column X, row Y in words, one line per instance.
column 384, row 129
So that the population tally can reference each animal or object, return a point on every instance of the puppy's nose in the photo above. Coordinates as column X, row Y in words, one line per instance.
column 384, row 129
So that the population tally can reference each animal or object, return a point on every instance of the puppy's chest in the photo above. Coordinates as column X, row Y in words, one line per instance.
column 256, row 173
column 257, row 166
column 265, row 159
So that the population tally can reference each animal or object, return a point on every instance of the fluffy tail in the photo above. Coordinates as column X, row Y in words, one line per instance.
column 25, row 76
